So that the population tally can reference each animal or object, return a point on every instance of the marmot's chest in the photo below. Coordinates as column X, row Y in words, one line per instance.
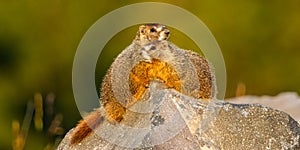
column 144, row 72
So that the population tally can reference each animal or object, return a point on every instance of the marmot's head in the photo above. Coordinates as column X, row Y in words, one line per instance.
column 152, row 32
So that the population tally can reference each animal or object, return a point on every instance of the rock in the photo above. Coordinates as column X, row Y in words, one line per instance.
column 177, row 121
column 288, row 102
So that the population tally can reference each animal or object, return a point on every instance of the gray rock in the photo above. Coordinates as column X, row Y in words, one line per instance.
column 288, row 102
column 181, row 122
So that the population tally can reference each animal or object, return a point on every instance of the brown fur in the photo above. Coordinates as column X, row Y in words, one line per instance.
column 85, row 127
column 205, row 75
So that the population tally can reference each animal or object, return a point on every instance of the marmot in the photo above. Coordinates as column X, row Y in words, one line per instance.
column 150, row 57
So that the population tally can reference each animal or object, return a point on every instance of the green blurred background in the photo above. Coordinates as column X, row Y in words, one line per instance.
column 260, row 41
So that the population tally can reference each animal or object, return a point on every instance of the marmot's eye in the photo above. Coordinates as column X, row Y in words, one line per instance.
column 152, row 47
column 152, row 30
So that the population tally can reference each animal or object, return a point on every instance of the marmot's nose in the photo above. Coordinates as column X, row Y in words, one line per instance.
column 167, row 32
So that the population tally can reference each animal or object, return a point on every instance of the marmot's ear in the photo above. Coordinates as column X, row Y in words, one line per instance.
column 141, row 29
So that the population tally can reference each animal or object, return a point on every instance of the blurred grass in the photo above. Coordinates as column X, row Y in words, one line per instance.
column 38, row 40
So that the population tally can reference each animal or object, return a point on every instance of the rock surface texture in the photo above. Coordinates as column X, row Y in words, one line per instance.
column 177, row 121
column 288, row 102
